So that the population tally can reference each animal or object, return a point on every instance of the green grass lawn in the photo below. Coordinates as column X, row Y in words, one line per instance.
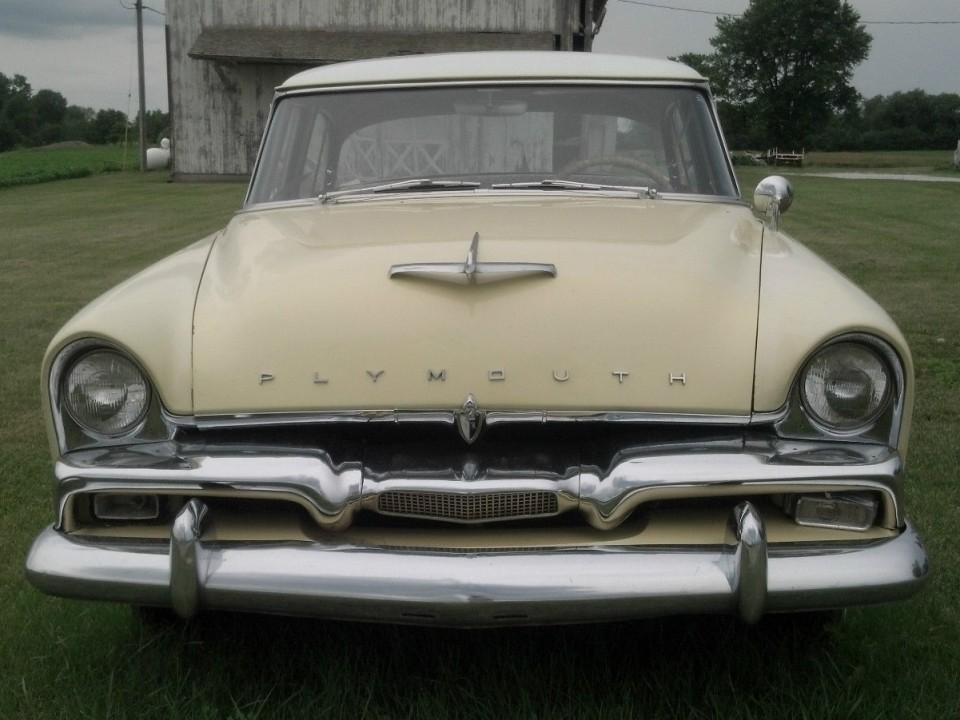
column 39, row 165
column 899, row 160
column 63, row 243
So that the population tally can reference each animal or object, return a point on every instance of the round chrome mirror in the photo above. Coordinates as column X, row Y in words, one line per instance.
column 773, row 188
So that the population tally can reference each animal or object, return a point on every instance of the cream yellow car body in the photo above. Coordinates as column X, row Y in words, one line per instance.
column 282, row 304
column 679, row 326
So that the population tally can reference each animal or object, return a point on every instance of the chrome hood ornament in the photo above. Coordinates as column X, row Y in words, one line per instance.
column 472, row 271
column 469, row 420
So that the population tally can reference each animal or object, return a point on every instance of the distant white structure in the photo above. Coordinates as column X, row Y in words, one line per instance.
column 956, row 156
column 159, row 158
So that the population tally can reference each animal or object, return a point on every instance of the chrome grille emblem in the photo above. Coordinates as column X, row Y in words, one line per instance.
column 469, row 420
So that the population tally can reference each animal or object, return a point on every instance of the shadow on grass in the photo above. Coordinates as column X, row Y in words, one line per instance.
column 682, row 666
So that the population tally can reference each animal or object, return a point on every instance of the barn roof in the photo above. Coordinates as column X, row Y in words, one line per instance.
column 494, row 65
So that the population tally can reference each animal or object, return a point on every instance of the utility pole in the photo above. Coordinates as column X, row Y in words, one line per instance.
column 143, row 95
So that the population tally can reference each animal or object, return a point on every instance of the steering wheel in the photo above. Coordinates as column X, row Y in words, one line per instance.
column 578, row 166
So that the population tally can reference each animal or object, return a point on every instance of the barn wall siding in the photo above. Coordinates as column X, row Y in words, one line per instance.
column 219, row 109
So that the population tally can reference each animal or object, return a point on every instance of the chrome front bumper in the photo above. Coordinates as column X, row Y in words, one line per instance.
column 540, row 586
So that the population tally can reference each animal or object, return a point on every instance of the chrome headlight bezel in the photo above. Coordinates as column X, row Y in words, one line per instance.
column 71, row 434
column 143, row 403
column 883, row 426
column 836, row 425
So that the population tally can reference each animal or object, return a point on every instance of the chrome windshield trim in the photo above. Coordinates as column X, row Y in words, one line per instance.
column 448, row 417
column 701, row 85
column 490, row 193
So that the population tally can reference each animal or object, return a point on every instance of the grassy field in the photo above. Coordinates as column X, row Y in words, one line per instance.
column 39, row 165
column 62, row 243
column 899, row 160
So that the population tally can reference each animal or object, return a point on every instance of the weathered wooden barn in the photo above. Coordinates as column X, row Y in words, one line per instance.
column 225, row 58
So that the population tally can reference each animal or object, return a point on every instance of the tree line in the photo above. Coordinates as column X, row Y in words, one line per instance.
column 781, row 73
column 31, row 119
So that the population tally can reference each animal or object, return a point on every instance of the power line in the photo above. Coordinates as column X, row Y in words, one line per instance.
column 910, row 22
column 145, row 7
column 716, row 13
column 680, row 9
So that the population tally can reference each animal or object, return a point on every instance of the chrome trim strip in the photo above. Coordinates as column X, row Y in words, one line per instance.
column 607, row 498
column 333, row 493
column 715, row 114
column 770, row 417
column 260, row 147
column 495, row 417
column 448, row 417
column 704, row 199
column 281, row 92
column 487, row 589
column 329, row 493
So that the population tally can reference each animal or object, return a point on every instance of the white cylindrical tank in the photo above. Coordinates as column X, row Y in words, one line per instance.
column 159, row 158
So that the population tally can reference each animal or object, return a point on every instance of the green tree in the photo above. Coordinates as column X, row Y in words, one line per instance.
column 16, row 115
column 157, row 125
column 108, row 127
column 49, row 108
column 77, row 122
column 788, row 63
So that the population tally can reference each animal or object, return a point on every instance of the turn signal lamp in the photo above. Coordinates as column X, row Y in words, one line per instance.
column 126, row 507
column 841, row 512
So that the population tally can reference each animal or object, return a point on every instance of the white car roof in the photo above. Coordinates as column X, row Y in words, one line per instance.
column 493, row 65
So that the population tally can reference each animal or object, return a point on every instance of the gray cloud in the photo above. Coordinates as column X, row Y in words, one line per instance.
column 64, row 18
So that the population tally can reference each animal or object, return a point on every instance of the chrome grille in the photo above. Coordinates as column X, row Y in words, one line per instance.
column 468, row 507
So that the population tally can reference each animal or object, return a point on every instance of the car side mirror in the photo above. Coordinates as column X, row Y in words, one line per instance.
column 772, row 197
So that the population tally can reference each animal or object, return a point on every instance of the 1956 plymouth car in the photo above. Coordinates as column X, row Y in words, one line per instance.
column 494, row 339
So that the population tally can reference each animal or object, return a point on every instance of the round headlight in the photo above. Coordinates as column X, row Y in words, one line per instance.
column 106, row 393
column 846, row 386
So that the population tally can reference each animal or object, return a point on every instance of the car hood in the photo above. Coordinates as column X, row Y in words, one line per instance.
column 653, row 307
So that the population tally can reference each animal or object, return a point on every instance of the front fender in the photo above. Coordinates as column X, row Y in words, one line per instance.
column 803, row 303
column 150, row 316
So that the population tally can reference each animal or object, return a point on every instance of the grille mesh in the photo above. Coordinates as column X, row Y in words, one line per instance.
column 471, row 507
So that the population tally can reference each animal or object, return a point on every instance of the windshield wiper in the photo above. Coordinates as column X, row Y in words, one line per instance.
column 402, row 186
column 558, row 184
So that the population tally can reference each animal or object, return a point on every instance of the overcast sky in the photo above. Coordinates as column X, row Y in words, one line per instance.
column 86, row 49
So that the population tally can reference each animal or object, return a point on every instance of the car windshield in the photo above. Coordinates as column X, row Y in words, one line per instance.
column 513, row 137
